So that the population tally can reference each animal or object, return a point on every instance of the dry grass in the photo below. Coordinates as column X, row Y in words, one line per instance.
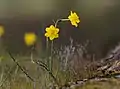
column 70, row 63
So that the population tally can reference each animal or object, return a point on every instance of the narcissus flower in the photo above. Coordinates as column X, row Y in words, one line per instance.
column 1, row 30
column 74, row 19
column 52, row 32
column 30, row 38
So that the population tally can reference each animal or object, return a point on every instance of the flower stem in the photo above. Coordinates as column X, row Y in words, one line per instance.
column 51, row 58
column 64, row 19
column 21, row 68
column 47, row 51
column 59, row 20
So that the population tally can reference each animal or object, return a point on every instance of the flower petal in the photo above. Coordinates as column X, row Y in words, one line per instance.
column 74, row 19
column 51, row 38
column 52, row 32
column 1, row 30
column 46, row 34
column 30, row 39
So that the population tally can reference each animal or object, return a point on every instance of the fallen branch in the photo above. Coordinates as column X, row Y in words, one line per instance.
column 80, row 82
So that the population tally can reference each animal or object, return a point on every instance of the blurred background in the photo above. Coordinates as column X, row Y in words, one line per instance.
column 100, row 22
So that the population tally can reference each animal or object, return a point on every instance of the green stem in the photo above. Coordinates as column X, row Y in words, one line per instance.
column 47, row 44
column 51, row 58
column 64, row 19
column 47, row 69
column 47, row 51
column 59, row 20
column 21, row 67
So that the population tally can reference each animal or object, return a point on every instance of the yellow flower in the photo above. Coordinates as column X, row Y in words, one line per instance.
column 30, row 38
column 52, row 32
column 73, row 17
column 1, row 30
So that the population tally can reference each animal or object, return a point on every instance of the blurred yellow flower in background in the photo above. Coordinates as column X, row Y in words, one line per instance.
column 30, row 38
column 52, row 32
column 1, row 30
column 73, row 17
